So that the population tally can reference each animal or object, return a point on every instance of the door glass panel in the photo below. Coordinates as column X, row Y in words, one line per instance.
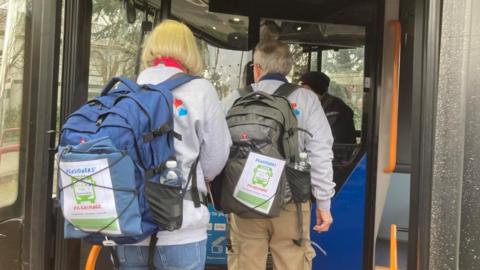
column 345, row 69
column 300, row 63
column 12, row 42
column 314, row 61
column 59, row 100
column 224, row 68
column 115, row 44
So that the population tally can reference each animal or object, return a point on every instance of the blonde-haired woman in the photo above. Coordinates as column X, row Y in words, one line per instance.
column 199, row 119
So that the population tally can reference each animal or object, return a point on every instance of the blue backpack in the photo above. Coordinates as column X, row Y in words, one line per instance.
column 110, row 150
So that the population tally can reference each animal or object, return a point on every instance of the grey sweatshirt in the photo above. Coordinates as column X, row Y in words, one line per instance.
column 199, row 118
column 311, row 117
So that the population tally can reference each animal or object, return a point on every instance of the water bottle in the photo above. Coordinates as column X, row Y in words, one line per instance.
column 302, row 163
column 172, row 175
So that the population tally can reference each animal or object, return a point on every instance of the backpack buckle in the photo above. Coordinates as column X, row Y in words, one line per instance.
column 157, row 133
column 108, row 243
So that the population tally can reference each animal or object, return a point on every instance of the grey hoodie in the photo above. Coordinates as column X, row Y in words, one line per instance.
column 199, row 118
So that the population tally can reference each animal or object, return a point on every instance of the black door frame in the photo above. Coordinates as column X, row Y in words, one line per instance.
column 373, row 64
column 38, row 138
column 424, row 99
column 74, row 93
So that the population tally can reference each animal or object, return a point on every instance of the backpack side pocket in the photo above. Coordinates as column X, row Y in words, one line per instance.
column 300, row 184
column 166, row 204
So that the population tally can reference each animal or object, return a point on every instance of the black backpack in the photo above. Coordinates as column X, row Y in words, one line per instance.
column 265, row 124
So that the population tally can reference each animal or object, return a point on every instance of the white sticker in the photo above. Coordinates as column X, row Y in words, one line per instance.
column 87, row 205
column 258, row 183
column 219, row 227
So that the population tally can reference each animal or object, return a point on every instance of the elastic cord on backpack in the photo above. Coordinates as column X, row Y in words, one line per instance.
column 82, row 180
column 115, row 260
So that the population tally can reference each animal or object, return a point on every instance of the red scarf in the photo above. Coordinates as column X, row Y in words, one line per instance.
column 169, row 62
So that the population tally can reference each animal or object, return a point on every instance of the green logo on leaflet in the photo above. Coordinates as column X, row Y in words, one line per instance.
column 84, row 190
column 262, row 175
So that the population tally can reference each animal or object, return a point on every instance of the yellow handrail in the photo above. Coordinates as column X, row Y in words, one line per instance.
column 92, row 257
column 393, row 247
column 392, row 162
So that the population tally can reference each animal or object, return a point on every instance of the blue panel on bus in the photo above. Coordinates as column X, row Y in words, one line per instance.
column 343, row 244
column 216, row 243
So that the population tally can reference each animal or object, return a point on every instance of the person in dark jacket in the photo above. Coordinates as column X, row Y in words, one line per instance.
column 339, row 114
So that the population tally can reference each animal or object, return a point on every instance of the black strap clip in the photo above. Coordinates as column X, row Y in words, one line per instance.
column 150, row 173
column 147, row 137
column 156, row 133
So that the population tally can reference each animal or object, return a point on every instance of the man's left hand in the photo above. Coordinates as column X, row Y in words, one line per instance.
column 324, row 220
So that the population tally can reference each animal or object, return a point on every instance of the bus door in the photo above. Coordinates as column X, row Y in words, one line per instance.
column 29, row 39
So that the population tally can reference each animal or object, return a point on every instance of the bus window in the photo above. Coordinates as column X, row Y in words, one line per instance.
column 114, row 44
column 300, row 63
column 224, row 68
column 12, row 40
column 59, row 100
column 345, row 68
column 313, row 61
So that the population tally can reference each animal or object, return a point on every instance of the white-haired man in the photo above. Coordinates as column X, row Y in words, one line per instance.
column 252, row 238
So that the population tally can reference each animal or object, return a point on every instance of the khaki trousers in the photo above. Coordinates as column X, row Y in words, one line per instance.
column 252, row 238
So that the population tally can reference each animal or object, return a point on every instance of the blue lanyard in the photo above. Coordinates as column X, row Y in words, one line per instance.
column 274, row 76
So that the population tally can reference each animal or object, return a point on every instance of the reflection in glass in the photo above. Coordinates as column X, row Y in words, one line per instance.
column 12, row 38
column 300, row 63
column 114, row 44
column 224, row 68
column 345, row 68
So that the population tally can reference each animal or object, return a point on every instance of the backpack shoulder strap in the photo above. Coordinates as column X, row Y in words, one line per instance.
column 169, row 84
column 245, row 91
column 291, row 147
column 290, row 144
column 192, row 178
column 177, row 75
column 172, row 82
column 286, row 89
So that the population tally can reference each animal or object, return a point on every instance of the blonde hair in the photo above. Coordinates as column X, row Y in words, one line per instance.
column 274, row 57
column 173, row 39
